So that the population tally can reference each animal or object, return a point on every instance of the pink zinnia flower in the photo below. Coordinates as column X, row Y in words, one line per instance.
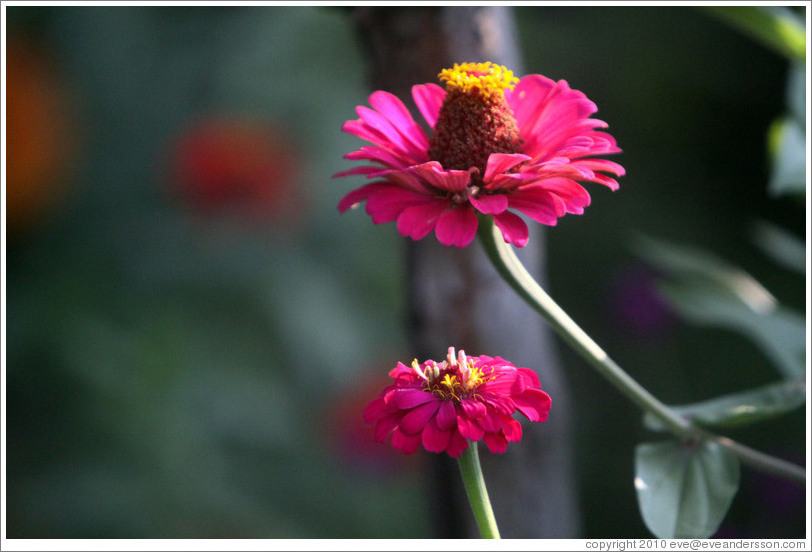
column 499, row 144
column 442, row 406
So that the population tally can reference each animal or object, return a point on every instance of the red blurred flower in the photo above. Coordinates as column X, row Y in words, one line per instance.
column 235, row 166
column 499, row 143
column 442, row 406
column 352, row 440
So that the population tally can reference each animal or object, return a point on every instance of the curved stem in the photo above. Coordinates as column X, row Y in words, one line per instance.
column 476, row 491
column 762, row 462
column 513, row 272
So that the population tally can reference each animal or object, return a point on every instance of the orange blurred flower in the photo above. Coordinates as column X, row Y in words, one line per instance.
column 38, row 131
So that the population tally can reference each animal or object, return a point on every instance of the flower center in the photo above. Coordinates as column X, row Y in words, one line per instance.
column 475, row 119
column 454, row 379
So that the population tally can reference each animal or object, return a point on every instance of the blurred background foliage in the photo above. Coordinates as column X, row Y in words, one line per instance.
column 193, row 330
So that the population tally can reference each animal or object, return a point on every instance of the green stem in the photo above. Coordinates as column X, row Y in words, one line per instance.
column 511, row 269
column 476, row 491
column 763, row 462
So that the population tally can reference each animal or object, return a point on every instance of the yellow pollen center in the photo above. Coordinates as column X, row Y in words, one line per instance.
column 454, row 386
column 475, row 119
column 486, row 77
column 450, row 382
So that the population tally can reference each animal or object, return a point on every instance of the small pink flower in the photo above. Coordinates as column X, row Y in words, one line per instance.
column 499, row 145
column 443, row 406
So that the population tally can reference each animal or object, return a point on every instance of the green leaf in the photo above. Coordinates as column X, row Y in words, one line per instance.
column 691, row 264
column 684, row 491
column 787, row 140
column 776, row 27
column 781, row 246
column 796, row 91
column 778, row 332
column 742, row 408
column 705, row 290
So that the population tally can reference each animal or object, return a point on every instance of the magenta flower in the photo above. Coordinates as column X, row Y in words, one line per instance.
column 499, row 145
column 442, row 406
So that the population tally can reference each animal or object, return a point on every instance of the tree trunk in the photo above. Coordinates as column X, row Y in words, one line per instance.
column 456, row 298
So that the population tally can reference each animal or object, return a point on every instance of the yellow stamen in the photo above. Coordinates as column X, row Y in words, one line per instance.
column 475, row 377
column 486, row 77
column 450, row 382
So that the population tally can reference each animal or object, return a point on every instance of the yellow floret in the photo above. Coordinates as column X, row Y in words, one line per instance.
column 486, row 77
column 450, row 382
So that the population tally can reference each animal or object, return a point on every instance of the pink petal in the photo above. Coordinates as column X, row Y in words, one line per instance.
column 540, row 205
column 363, row 131
column 502, row 385
column 446, row 416
column 490, row 423
column 469, row 429
column 508, row 182
column 512, row 430
column 394, row 110
column 434, row 439
column 369, row 170
column 472, row 408
column 402, row 371
column 603, row 165
column 386, row 203
column 533, row 403
column 405, row 443
column 513, row 228
column 502, row 404
column 496, row 442
column 358, row 195
column 574, row 196
column 530, row 377
column 417, row 221
column 375, row 410
column 390, row 135
column 457, row 444
column 428, row 98
column 570, row 138
column 407, row 180
column 540, row 171
column 609, row 182
column 438, row 178
column 366, row 132
column 385, row 426
column 519, row 385
column 499, row 163
column 527, row 96
column 554, row 120
column 405, row 399
column 489, row 204
column 378, row 155
column 416, row 419
column 560, row 107
column 457, row 226
column 602, row 143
